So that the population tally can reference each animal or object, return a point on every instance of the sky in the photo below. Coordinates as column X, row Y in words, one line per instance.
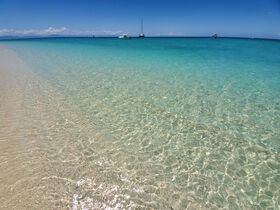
column 236, row 18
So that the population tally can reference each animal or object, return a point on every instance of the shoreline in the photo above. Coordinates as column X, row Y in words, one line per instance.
column 22, row 162
column 36, row 148
column 51, row 157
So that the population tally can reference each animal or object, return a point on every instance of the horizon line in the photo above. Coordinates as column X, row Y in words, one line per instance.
column 7, row 38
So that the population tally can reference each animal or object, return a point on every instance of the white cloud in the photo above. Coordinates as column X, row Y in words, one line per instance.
column 51, row 31
column 172, row 34
column 33, row 32
column 93, row 32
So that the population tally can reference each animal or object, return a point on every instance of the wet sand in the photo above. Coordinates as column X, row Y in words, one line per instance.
column 25, row 113
column 38, row 152
column 50, row 156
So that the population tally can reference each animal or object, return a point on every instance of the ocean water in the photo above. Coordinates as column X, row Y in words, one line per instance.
column 178, row 123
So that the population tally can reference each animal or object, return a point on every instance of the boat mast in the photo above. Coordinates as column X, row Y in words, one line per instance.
column 141, row 25
column 142, row 35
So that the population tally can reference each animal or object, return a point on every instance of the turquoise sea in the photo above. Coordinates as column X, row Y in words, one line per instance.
column 189, row 123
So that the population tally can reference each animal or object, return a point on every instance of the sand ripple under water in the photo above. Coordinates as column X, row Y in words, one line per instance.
column 53, row 156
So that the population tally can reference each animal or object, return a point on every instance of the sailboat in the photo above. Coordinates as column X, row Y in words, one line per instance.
column 142, row 35
column 215, row 36
column 124, row 36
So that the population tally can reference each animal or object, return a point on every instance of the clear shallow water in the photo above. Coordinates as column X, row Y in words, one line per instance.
column 188, row 123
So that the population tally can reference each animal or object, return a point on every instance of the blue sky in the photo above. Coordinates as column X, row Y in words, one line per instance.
column 246, row 18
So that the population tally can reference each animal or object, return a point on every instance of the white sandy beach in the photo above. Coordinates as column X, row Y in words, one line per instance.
column 34, row 148
column 24, row 114
column 44, row 146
